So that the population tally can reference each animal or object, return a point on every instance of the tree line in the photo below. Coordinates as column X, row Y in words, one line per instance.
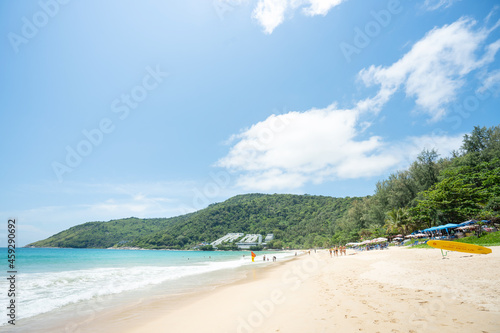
column 433, row 191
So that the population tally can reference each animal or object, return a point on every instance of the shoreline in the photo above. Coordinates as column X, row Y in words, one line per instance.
column 121, row 311
column 394, row 290
column 398, row 290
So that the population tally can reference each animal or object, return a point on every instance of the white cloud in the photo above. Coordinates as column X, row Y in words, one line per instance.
column 287, row 151
column 412, row 146
column 320, row 7
column 491, row 13
column 271, row 13
column 431, row 5
column 434, row 69
column 491, row 82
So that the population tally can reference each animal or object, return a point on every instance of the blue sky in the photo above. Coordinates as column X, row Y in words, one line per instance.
column 158, row 108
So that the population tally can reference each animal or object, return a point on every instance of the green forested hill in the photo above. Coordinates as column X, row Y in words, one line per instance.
column 295, row 220
column 432, row 191
column 106, row 234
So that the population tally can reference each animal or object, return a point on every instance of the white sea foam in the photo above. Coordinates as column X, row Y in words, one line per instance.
column 43, row 292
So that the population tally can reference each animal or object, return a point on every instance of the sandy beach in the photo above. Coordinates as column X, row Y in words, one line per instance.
column 396, row 290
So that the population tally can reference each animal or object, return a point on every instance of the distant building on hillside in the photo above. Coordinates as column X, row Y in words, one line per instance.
column 249, row 241
column 229, row 238
column 244, row 243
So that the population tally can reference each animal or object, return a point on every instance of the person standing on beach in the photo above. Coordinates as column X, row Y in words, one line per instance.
column 330, row 252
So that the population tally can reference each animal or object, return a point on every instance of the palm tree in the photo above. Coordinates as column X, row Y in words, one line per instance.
column 390, row 224
column 398, row 220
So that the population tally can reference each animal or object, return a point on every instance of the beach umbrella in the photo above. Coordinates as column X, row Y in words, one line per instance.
column 463, row 224
column 467, row 227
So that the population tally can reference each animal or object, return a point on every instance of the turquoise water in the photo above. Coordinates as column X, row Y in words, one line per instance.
column 39, row 260
column 49, row 280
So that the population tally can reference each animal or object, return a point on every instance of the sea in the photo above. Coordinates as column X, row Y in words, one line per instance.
column 59, row 284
